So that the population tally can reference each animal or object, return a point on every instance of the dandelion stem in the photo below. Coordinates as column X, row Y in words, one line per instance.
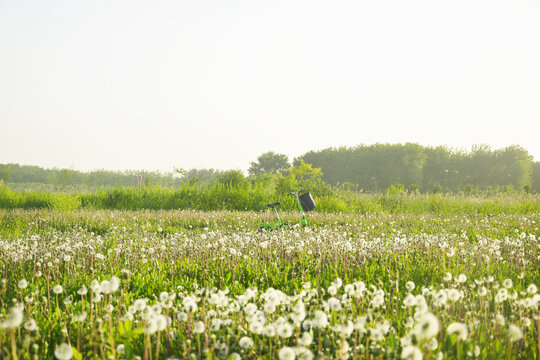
column 538, row 338
column 13, row 346
column 158, row 344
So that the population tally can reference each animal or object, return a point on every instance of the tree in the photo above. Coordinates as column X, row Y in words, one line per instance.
column 269, row 162
column 5, row 175
column 309, row 178
column 535, row 183
column 233, row 178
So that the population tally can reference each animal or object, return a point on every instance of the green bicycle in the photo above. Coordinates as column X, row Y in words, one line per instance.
column 305, row 204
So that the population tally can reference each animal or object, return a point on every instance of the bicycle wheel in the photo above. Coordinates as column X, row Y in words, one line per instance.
column 264, row 228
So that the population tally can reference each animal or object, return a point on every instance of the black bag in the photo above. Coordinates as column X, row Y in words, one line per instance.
column 306, row 201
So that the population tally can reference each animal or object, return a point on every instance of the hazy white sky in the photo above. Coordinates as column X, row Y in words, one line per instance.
column 161, row 84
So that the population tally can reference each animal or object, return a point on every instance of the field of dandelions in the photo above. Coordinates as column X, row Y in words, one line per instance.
column 207, row 285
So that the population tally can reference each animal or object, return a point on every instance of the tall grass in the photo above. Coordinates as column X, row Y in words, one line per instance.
column 224, row 197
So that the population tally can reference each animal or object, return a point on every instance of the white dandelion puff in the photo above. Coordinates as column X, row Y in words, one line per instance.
column 63, row 352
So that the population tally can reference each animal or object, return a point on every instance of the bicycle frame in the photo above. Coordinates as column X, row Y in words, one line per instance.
column 302, row 222
column 279, row 224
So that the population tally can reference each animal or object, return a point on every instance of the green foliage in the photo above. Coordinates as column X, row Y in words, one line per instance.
column 396, row 189
column 222, row 196
column 377, row 167
column 269, row 162
column 459, row 266
column 535, row 183
column 233, row 178
column 286, row 184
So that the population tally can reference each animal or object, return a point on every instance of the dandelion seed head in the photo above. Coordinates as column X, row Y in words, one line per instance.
column 22, row 284
column 245, row 342
column 458, row 329
column 63, row 352
column 514, row 333
column 411, row 352
column 286, row 353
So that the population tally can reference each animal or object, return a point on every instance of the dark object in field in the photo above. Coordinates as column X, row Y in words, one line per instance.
column 306, row 201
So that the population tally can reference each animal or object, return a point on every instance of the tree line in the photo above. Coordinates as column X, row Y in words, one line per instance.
column 427, row 169
column 368, row 168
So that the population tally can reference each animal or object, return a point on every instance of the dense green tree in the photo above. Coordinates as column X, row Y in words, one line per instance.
column 269, row 162
column 377, row 167
column 535, row 183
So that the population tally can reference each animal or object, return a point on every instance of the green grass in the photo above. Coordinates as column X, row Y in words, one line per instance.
column 221, row 197
column 219, row 254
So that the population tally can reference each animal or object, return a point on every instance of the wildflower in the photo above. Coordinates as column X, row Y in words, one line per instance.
column 532, row 289
column 115, row 283
column 410, row 285
column 411, row 352
column 120, row 349
column 63, row 352
column 57, row 289
column 507, row 283
column 332, row 290
column 198, row 327
column 376, row 335
column 139, row 304
column 321, row 319
column 334, row 304
column 161, row 322
column 245, row 342
column 427, row 327
column 151, row 327
column 514, row 333
column 31, row 325
column 409, row 300
column 250, row 308
column 182, row 316
column 526, row 322
column 22, row 284
column 269, row 308
column 305, row 339
column 80, row 317
column 269, row 331
column 286, row 353
column 459, row 329
column 14, row 320
column 502, row 295
column 189, row 304
column 95, row 286
column 447, row 277
column 106, row 287
column 304, row 353
column 454, row 295
column 377, row 300
column 284, row 330
column 433, row 344
column 482, row 291
column 255, row 327
column 82, row 291
column 499, row 319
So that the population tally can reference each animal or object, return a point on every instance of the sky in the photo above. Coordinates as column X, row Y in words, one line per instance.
column 158, row 85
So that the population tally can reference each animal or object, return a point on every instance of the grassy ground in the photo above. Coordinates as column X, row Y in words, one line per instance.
column 221, row 197
column 164, row 284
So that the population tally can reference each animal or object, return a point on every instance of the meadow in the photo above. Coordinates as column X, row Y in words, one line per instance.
column 206, row 285
column 215, row 197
